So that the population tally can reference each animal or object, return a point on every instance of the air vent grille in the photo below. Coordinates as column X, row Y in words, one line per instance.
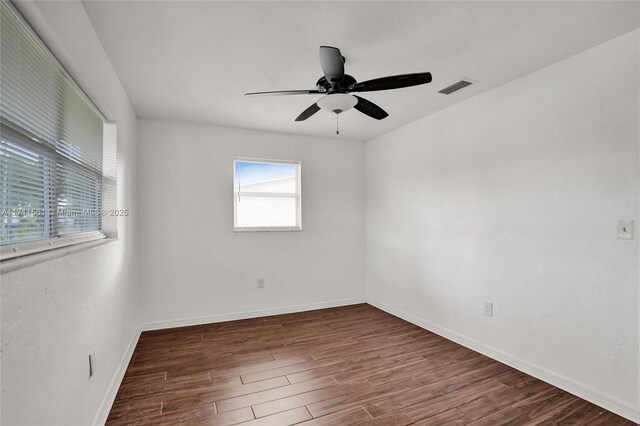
column 455, row 87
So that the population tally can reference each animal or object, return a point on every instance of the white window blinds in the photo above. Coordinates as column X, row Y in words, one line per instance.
column 51, row 140
column 266, row 195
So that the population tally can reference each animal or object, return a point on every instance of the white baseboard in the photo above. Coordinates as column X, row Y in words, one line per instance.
column 158, row 325
column 112, row 391
column 583, row 391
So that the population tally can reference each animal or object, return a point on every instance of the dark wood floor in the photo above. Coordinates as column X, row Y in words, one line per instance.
column 341, row 366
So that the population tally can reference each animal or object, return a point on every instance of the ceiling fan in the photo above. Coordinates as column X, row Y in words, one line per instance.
column 338, row 86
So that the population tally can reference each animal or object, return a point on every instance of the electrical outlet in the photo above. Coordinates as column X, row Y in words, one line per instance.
column 92, row 363
column 488, row 309
column 625, row 229
column 260, row 282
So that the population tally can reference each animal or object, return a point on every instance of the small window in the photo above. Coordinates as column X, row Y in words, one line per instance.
column 266, row 195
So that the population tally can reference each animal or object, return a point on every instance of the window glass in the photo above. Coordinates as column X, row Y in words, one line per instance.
column 266, row 195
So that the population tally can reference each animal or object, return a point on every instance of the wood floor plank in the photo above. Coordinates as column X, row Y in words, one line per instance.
column 392, row 418
column 528, row 409
column 180, row 388
column 501, row 398
column 190, row 398
column 252, row 357
column 578, row 412
column 307, row 398
column 351, row 416
column 361, row 397
column 348, row 365
column 260, row 366
column 283, row 418
column 451, row 417
column 289, row 369
column 441, row 403
column 441, row 381
column 410, row 369
column 245, row 389
column 514, row 378
column 126, row 412
column 350, row 368
column 385, row 364
column 273, row 394
column 209, row 417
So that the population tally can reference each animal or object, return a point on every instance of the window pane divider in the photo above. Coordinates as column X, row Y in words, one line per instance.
column 267, row 194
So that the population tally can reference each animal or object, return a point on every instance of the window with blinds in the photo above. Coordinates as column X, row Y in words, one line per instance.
column 51, row 148
column 267, row 195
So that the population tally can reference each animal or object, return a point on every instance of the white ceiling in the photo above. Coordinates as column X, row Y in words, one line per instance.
column 193, row 61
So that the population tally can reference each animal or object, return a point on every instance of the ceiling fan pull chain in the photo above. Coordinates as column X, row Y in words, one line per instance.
column 337, row 124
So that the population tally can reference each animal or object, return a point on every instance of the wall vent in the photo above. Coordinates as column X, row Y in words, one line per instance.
column 455, row 87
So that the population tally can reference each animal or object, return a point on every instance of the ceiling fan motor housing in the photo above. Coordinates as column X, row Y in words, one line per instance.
column 343, row 87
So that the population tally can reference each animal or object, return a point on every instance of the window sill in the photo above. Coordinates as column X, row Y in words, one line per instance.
column 268, row 229
column 17, row 263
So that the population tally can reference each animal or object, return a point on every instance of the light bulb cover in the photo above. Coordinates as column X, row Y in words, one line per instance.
column 337, row 103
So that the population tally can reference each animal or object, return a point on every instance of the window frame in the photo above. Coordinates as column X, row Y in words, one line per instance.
column 15, row 250
column 298, row 197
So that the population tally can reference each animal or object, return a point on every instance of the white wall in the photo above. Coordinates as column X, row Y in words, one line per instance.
column 55, row 312
column 194, row 268
column 513, row 196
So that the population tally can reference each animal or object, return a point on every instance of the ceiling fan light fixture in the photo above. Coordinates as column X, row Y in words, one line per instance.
column 337, row 103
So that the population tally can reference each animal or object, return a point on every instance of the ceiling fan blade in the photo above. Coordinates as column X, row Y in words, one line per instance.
column 284, row 92
column 308, row 112
column 369, row 108
column 332, row 64
column 392, row 82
